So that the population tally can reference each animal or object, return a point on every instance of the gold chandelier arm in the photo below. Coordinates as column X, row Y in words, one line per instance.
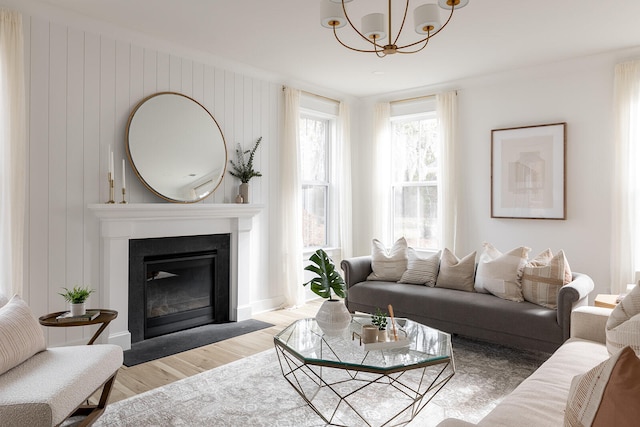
column 426, row 42
column 429, row 35
column 404, row 19
column 335, row 33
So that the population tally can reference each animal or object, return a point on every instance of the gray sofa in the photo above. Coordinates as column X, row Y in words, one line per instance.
column 477, row 315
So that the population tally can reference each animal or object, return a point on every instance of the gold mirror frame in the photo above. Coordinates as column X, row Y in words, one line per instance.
column 176, row 147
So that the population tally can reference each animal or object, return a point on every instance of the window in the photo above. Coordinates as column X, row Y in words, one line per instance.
column 316, row 135
column 414, row 175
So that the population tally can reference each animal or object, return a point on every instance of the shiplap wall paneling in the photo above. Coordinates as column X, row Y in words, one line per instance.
column 38, row 190
column 94, row 170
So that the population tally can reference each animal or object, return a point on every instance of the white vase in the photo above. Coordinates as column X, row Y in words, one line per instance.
column 333, row 317
column 77, row 309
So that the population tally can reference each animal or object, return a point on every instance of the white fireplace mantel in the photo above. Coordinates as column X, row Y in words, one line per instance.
column 121, row 222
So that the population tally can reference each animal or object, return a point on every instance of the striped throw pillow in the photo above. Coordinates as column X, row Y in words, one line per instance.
column 623, row 325
column 421, row 271
column 20, row 334
column 606, row 395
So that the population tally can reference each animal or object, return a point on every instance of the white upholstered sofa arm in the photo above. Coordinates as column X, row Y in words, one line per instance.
column 589, row 323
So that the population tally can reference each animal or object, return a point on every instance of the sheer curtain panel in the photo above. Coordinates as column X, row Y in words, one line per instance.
column 381, row 173
column 12, row 153
column 626, row 192
column 447, row 111
column 344, row 181
column 290, row 203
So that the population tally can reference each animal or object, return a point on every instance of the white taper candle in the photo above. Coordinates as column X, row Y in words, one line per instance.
column 124, row 182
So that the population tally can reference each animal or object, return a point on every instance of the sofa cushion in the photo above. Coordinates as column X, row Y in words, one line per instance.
column 607, row 395
column 541, row 399
column 465, row 312
column 20, row 334
column 623, row 325
column 388, row 264
column 500, row 273
column 543, row 277
column 421, row 271
column 456, row 273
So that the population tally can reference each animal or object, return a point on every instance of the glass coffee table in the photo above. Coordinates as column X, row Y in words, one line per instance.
column 347, row 383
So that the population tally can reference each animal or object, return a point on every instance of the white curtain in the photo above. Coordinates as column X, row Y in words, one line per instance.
column 626, row 192
column 344, row 181
column 381, row 172
column 12, row 153
column 290, row 203
column 447, row 111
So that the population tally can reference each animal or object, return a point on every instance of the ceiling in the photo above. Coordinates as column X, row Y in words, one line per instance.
column 285, row 37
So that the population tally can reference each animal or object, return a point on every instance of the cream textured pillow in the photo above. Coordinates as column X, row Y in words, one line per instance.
column 543, row 277
column 623, row 325
column 388, row 265
column 500, row 273
column 456, row 273
column 421, row 271
column 607, row 395
column 20, row 334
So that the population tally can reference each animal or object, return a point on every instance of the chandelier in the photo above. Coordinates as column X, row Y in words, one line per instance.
column 426, row 22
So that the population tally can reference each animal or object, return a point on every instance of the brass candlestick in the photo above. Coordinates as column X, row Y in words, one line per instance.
column 111, row 193
column 124, row 192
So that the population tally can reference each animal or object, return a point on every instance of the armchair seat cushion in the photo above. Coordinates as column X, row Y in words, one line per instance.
column 46, row 388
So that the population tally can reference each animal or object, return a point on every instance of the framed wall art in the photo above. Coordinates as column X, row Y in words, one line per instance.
column 528, row 172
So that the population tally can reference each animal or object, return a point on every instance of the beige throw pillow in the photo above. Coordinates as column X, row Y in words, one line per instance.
column 388, row 265
column 607, row 395
column 499, row 274
column 456, row 273
column 421, row 271
column 543, row 277
column 20, row 334
column 623, row 325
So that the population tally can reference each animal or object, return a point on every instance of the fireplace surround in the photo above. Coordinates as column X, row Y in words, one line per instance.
column 121, row 223
column 176, row 283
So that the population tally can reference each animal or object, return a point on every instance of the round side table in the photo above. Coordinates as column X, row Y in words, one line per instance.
column 105, row 317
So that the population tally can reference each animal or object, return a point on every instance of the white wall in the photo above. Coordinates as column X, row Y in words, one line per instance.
column 579, row 92
column 81, row 88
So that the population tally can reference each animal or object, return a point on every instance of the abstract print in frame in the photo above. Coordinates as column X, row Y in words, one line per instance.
column 528, row 172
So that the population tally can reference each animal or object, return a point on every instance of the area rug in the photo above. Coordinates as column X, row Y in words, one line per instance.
column 253, row 392
column 177, row 342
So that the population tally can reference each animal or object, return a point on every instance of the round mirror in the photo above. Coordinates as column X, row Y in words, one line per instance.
column 176, row 147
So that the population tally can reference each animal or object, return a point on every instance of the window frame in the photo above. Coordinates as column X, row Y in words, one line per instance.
column 412, row 111
column 317, row 111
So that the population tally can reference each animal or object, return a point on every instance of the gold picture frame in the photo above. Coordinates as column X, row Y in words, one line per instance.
column 528, row 172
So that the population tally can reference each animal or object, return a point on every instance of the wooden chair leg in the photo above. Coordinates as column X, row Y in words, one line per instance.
column 92, row 412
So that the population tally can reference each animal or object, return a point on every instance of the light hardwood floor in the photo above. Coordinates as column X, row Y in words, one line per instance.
column 146, row 376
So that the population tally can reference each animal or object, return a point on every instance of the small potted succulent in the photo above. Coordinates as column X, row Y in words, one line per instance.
column 76, row 298
column 379, row 319
column 332, row 317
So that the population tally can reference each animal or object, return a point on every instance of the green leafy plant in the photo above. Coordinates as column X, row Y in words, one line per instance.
column 328, row 278
column 77, row 295
column 243, row 169
column 379, row 318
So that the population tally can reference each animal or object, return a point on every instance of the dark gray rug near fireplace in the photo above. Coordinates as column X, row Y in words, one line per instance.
column 177, row 342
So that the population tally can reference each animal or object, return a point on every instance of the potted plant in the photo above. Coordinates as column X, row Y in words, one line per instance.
column 332, row 317
column 76, row 298
column 379, row 319
column 243, row 169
